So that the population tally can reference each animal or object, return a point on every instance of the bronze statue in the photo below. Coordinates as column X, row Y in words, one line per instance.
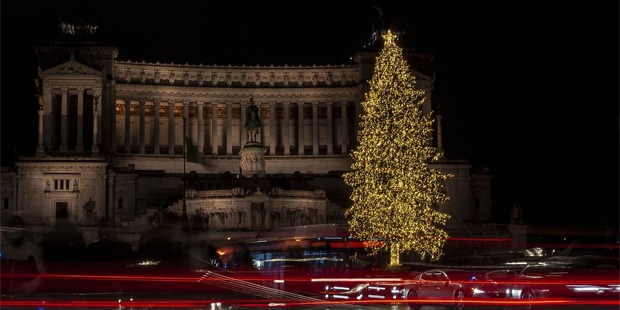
column 252, row 121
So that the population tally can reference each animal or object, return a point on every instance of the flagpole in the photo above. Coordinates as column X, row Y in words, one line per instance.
column 184, row 217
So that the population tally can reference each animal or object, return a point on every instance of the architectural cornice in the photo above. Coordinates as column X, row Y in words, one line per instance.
column 76, row 46
column 243, row 76
column 186, row 65
column 54, row 168
column 53, row 164
column 235, row 94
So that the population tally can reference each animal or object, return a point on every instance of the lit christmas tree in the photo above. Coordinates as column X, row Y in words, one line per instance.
column 395, row 194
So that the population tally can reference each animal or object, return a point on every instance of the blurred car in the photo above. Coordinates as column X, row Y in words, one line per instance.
column 588, row 285
column 444, row 286
column 370, row 286
column 435, row 286
column 495, row 283
column 375, row 291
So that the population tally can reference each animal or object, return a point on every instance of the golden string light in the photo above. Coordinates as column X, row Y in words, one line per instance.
column 395, row 194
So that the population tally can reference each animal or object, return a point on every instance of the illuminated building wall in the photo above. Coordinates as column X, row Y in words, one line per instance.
column 111, row 134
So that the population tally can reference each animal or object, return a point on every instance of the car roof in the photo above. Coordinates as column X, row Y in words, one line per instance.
column 449, row 270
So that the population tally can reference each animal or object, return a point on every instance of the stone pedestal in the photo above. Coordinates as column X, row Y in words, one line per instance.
column 252, row 159
column 519, row 236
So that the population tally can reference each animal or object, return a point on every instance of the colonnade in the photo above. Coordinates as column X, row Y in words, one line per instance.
column 54, row 114
column 282, row 133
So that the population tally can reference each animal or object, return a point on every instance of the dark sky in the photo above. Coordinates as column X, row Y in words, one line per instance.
column 527, row 88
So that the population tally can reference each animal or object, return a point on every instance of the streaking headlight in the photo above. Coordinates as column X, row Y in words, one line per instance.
column 149, row 263
column 360, row 287
column 588, row 288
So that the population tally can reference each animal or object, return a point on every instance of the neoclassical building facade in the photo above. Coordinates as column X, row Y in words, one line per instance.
column 111, row 143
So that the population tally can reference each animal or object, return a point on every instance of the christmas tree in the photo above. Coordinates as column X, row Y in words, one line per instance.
column 396, row 194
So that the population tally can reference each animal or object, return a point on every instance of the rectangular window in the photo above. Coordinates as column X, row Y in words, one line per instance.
column 120, row 203
column 61, row 184
column 6, row 203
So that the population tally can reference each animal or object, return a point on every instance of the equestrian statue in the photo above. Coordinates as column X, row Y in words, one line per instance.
column 252, row 121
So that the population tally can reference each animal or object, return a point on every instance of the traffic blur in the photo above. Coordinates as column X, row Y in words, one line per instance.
column 547, row 283
column 334, row 272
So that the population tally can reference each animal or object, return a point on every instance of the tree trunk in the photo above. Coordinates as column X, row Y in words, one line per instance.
column 394, row 255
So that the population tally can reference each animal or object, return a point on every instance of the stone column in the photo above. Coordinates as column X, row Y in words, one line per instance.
column 113, row 140
column 186, row 118
column 96, row 96
column 242, row 132
column 315, row 128
column 228, row 128
column 47, row 117
column 300, row 128
column 142, row 126
column 40, row 148
column 127, row 125
column 156, row 126
column 80, row 120
column 63, row 120
column 171, row 126
column 345, row 126
column 261, row 131
column 330, row 129
column 201, row 126
column 185, row 125
column 286, row 129
column 272, row 128
column 214, row 128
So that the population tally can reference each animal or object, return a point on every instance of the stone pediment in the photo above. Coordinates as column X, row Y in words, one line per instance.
column 71, row 67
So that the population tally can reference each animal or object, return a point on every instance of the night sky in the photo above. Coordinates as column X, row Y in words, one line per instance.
column 526, row 88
